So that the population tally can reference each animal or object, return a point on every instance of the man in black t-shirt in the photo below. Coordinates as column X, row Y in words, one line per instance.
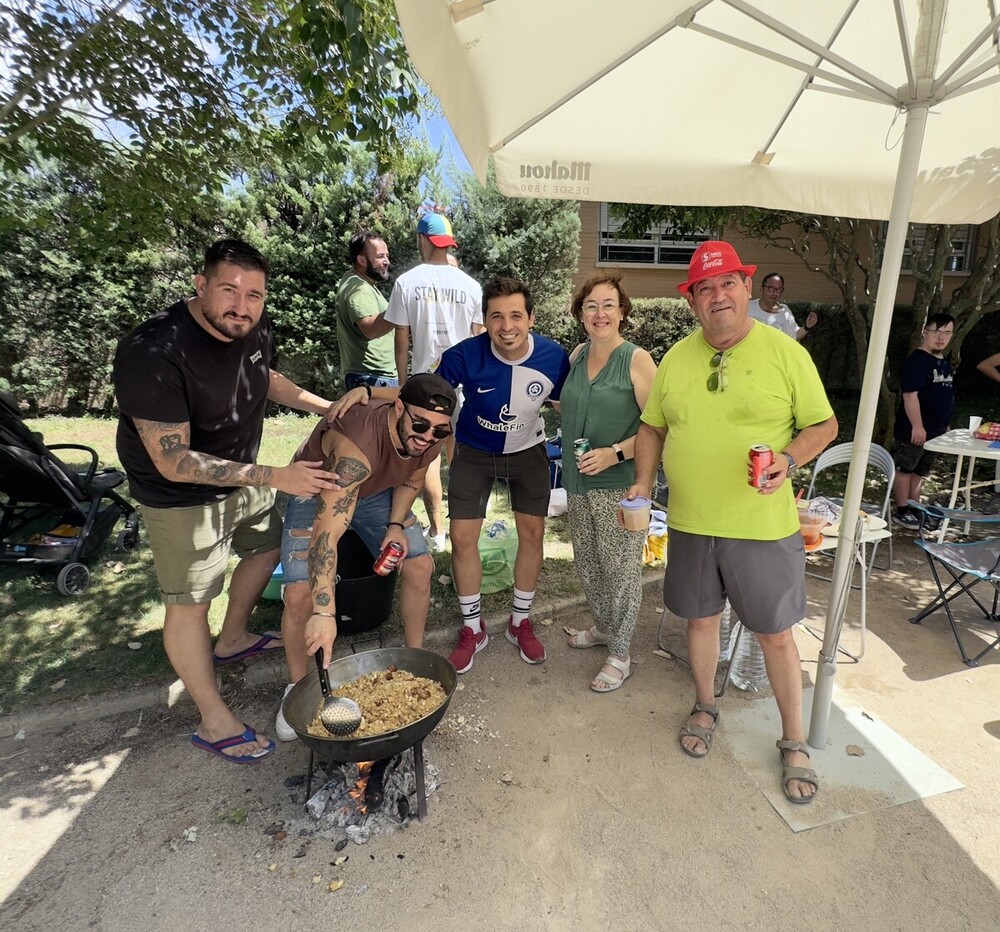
column 192, row 384
column 927, row 406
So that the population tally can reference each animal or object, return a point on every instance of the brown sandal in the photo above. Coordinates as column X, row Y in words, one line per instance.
column 788, row 773
column 690, row 730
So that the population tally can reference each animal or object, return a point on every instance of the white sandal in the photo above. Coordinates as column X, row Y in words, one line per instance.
column 589, row 637
column 624, row 667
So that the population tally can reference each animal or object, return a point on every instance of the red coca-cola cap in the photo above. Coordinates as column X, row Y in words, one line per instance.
column 713, row 257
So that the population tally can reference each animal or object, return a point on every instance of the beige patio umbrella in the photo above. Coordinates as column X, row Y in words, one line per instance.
column 874, row 109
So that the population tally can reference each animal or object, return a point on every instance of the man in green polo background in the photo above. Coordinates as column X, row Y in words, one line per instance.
column 367, row 347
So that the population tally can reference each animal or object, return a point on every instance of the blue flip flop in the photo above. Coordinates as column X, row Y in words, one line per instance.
column 260, row 646
column 218, row 747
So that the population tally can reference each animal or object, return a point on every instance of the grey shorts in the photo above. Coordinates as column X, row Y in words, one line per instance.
column 764, row 580
column 471, row 478
column 913, row 459
column 191, row 545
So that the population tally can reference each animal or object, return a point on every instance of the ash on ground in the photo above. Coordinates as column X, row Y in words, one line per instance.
column 335, row 808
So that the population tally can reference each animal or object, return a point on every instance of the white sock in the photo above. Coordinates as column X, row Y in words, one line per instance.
column 470, row 606
column 522, row 606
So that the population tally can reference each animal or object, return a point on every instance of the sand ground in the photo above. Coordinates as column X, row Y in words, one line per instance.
column 560, row 809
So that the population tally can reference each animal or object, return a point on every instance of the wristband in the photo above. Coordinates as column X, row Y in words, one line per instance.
column 368, row 389
column 398, row 524
column 326, row 614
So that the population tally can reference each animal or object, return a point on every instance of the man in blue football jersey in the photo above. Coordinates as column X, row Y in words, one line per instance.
column 507, row 374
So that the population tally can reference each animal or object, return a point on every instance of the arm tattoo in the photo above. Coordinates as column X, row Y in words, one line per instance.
column 410, row 485
column 351, row 471
column 171, row 443
column 345, row 503
column 169, row 447
column 322, row 567
column 260, row 475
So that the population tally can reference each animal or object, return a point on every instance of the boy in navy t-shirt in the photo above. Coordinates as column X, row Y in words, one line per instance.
column 927, row 406
column 506, row 374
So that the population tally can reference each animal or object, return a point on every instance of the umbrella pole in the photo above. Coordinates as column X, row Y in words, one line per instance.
column 892, row 260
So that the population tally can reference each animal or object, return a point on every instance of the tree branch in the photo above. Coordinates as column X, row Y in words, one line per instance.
column 63, row 55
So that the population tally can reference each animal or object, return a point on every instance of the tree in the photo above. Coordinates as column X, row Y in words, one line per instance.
column 61, row 315
column 535, row 240
column 161, row 100
column 851, row 260
column 302, row 217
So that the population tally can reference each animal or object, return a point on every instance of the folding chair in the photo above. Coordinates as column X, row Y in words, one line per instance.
column 969, row 565
column 879, row 459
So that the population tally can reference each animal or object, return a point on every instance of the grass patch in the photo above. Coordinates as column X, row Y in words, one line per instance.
column 55, row 647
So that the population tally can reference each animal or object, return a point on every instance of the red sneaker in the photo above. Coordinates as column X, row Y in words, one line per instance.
column 469, row 644
column 532, row 650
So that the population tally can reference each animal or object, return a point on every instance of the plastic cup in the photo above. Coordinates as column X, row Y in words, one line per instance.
column 974, row 423
column 811, row 528
column 636, row 513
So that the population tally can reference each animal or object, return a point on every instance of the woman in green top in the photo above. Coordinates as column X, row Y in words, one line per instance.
column 604, row 394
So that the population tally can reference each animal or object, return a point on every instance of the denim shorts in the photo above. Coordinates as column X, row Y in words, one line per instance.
column 371, row 518
column 354, row 379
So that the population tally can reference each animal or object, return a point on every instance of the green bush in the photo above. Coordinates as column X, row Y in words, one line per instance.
column 656, row 324
column 553, row 319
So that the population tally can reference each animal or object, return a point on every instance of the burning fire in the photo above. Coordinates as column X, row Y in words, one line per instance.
column 358, row 793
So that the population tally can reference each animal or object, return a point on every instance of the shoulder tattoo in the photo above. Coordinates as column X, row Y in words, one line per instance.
column 350, row 470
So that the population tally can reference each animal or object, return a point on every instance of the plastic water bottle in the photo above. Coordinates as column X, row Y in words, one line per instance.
column 749, row 672
column 726, row 633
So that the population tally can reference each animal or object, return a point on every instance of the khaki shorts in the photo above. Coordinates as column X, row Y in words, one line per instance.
column 764, row 580
column 191, row 545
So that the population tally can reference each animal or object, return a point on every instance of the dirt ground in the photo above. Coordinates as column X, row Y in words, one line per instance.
column 560, row 809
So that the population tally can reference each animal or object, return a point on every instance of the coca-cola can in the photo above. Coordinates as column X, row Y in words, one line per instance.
column 388, row 559
column 761, row 456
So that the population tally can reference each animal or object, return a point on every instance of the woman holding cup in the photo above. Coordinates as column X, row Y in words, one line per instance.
column 602, row 398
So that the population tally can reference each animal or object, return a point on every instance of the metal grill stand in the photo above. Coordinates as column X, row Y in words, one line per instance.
column 418, row 766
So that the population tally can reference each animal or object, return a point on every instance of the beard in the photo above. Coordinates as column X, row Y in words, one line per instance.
column 405, row 438
column 232, row 328
column 375, row 272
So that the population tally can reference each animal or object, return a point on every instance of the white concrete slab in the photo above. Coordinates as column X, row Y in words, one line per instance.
column 866, row 766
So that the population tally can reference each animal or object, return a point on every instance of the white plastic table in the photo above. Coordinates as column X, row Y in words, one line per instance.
column 961, row 444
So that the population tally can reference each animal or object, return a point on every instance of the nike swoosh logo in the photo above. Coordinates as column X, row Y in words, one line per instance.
column 483, row 391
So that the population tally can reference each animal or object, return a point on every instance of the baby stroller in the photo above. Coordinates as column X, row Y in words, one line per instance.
column 53, row 515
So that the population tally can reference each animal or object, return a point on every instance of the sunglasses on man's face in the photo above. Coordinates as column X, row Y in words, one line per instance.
column 717, row 379
column 420, row 426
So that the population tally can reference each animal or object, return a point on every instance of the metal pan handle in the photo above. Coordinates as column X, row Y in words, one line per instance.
column 324, row 676
column 361, row 742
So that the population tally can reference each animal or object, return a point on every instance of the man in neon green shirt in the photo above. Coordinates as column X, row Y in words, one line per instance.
column 728, row 386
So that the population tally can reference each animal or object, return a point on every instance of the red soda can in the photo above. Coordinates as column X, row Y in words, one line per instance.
column 388, row 559
column 761, row 456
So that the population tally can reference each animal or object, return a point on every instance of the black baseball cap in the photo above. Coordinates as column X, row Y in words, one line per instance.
column 429, row 391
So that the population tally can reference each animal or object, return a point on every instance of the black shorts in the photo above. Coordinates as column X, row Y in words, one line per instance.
column 471, row 478
column 913, row 459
